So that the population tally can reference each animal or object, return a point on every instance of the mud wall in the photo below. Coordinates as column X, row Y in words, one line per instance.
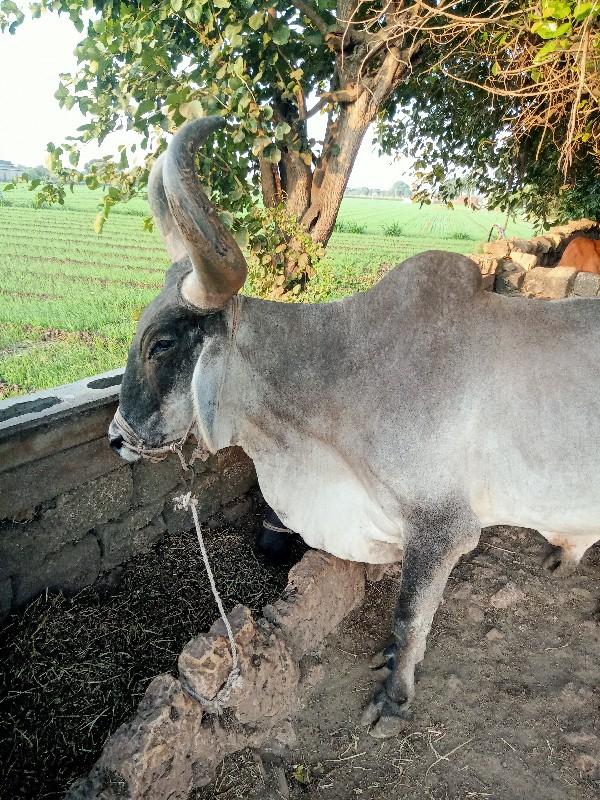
column 527, row 266
column 70, row 509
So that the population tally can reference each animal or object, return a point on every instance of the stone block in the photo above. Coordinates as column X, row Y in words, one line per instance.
column 91, row 504
column 542, row 245
column 559, row 282
column 500, row 248
column 586, row 284
column 509, row 282
column 30, row 484
column 522, row 246
column 534, row 284
column 136, row 533
column 488, row 264
column 487, row 282
column 526, row 260
column 237, row 473
column 269, row 675
column 148, row 757
column 74, row 566
column 6, row 598
column 321, row 591
column 153, row 480
column 207, row 490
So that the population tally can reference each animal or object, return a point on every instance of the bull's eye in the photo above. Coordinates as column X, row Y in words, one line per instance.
column 159, row 347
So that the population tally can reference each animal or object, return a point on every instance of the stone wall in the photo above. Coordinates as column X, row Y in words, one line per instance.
column 526, row 266
column 70, row 508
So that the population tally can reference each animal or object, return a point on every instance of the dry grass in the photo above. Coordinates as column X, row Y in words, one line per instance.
column 76, row 667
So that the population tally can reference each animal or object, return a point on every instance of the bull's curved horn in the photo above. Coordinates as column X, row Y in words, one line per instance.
column 167, row 227
column 219, row 266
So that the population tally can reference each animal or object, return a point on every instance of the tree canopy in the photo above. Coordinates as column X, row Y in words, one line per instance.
column 504, row 94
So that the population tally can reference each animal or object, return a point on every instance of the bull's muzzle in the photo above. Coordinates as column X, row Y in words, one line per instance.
column 118, row 443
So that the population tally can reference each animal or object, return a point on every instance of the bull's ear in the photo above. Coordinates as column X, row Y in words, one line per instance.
column 159, row 205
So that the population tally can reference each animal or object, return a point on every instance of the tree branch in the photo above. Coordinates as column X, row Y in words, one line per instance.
column 313, row 15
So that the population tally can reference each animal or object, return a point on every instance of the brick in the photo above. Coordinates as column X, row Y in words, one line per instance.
column 526, row 260
column 500, row 249
column 269, row 675
column 586, row 284
column 321, row 591
column 152, row 480
column 35, row 482
column 91, row 504
column 534, row 284
column 207, row 490
column 559, row 282
column 74, row 566
column 509, row 282
column 236, row 471
column 136, row 533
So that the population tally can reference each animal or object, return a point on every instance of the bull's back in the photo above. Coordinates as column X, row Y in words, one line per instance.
column 539, row 443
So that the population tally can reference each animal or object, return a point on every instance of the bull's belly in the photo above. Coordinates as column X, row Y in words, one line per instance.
column 332, row 510
column 574, row 513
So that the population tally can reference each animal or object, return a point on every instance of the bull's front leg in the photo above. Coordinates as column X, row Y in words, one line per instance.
column 433, row 545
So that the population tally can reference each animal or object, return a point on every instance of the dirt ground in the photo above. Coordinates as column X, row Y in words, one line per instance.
column 508, row 702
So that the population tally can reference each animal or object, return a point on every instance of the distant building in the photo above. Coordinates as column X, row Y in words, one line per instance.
column 8, row 170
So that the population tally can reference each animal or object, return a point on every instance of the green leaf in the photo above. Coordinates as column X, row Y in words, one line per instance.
column 549, row 29
column 176, row 5
column 99, row 222
column 256, row 20
column 582, row 11
column 282, row 130
column 281, row 34
column 558, row 9
column 194, row 13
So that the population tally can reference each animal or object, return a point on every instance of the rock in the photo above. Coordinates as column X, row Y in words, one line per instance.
column 474, row 613
column 269, row 675
column 148, row 757
column 534, row 284
column 508, row 595
column 525, row 260
column 586, row 763
column 509, row 282
column 494, row 635
column 321, row 591
column 559, row 282
column 377, row 572
column 586, row 285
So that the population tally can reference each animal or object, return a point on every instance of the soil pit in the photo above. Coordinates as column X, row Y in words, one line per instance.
column 75, row 668
column 508, row 702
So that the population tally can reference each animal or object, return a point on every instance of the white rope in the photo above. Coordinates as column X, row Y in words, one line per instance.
column 188, row 502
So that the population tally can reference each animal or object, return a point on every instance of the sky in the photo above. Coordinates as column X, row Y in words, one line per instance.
column 30, row 64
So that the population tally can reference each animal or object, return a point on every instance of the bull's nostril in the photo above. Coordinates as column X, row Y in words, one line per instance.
column 116, row 442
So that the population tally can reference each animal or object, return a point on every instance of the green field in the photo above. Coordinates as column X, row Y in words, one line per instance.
column 69, row 297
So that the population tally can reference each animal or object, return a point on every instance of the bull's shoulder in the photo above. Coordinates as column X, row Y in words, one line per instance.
column 435, row 272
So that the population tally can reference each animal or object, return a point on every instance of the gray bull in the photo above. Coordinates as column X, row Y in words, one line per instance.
column 395, row 422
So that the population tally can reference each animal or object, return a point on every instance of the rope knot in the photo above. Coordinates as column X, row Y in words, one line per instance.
column 185, row 502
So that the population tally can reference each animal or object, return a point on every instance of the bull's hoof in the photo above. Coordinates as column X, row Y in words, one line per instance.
column 371, row 713
column 391, row 725
column 558, row 564
column 386, row 717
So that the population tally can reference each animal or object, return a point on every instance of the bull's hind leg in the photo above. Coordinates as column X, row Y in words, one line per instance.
column 567, row 551
column 432, row 547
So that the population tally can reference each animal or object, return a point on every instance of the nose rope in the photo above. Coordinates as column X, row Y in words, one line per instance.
column 189, row 502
